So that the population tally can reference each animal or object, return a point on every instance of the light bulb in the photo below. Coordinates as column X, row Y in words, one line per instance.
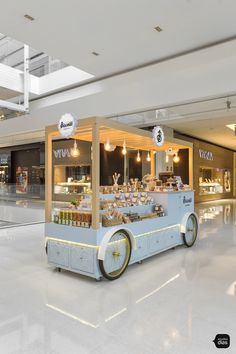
column 138, row 157
column 75, row 151
column 148, row 157
column 167, row 158
column 176, row 158
column 124, row 150
column 107, row 145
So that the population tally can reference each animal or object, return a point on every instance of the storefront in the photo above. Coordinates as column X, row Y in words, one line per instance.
column 22, row 171
column 213, row 170
column 71, row 176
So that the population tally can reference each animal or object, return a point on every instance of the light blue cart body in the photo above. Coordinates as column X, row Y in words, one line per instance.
column 79, row 249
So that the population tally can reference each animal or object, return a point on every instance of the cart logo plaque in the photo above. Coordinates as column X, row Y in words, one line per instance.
column 158, row 135
column 67, row 125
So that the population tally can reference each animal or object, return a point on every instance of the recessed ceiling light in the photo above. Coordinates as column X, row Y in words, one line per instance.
column 158, row 29
column 28, row 17
column 96, row 54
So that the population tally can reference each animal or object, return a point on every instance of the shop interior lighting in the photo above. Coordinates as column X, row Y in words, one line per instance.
column 148, row 157
column 75, row 151
column 138, row 157
column 232, row 127
column 124, row 150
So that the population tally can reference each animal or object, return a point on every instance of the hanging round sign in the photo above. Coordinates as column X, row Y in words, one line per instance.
column 67, row 125
column 158, row 136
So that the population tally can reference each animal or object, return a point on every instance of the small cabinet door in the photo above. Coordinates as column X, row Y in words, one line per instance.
column 82, row 258
column 141, row 249
column 58, row 253
column 172, row 237
column 157, row 242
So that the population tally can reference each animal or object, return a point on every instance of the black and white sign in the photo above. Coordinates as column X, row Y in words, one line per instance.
column 67, row 125
column 62, row 153
column 4, row 158
column 206, row 155
column 158, row 136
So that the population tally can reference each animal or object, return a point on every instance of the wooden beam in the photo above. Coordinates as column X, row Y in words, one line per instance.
column 95, row 176
column 48, row 176
column 190, row 167
column 153, row 167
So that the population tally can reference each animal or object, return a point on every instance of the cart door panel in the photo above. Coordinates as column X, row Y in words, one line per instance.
column 82, row 258
column 58, row 253
column 172, row 237
column 157, row 242
column 141, row 249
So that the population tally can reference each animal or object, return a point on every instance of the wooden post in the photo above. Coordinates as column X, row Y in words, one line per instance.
column 153, row 172
column 48, row 176
column 191, row 167
column 95, row 176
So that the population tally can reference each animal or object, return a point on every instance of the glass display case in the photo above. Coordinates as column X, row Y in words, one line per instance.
column 214, row 181
column 71, row 181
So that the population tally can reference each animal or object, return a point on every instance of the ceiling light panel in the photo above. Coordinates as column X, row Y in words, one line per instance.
column 28, row 17
column 158, row 29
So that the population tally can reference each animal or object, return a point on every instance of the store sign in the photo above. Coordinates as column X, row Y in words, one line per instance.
column 62, row 153
column 4, row 159
column 158, row 136
column 67, row 125
column 206, row 155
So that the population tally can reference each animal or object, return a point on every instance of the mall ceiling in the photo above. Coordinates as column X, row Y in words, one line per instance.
column 206, row 120
column 121, row 32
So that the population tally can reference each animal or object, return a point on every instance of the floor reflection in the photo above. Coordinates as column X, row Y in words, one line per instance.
column 171, row 303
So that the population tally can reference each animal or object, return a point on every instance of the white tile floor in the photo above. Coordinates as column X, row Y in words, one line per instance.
column 172, row 303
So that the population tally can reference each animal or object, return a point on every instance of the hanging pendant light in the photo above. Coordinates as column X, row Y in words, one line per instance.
column 138, row 157
column 75, row 151
column 107, row 145
column 176, row 158
column 148, row 157
column 167, row 158
column 124, row 150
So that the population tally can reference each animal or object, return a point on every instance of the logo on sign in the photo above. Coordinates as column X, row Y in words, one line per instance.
column 206, row 155
column 187, row 200
column 158, row 136
column 222, row 341
column 67, row 125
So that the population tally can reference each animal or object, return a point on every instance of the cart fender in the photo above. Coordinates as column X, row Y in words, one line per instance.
column 184, row 221
column 107, row 236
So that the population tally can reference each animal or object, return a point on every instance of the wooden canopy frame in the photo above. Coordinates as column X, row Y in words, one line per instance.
column 97, row 130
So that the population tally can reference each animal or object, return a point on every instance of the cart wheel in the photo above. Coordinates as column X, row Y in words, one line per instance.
column 117, row 256
column 59, row 269
column 46, row 248
column 191, row 231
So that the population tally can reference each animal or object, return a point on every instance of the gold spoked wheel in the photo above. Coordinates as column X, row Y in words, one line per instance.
column 190, row 234
column 117, row 256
